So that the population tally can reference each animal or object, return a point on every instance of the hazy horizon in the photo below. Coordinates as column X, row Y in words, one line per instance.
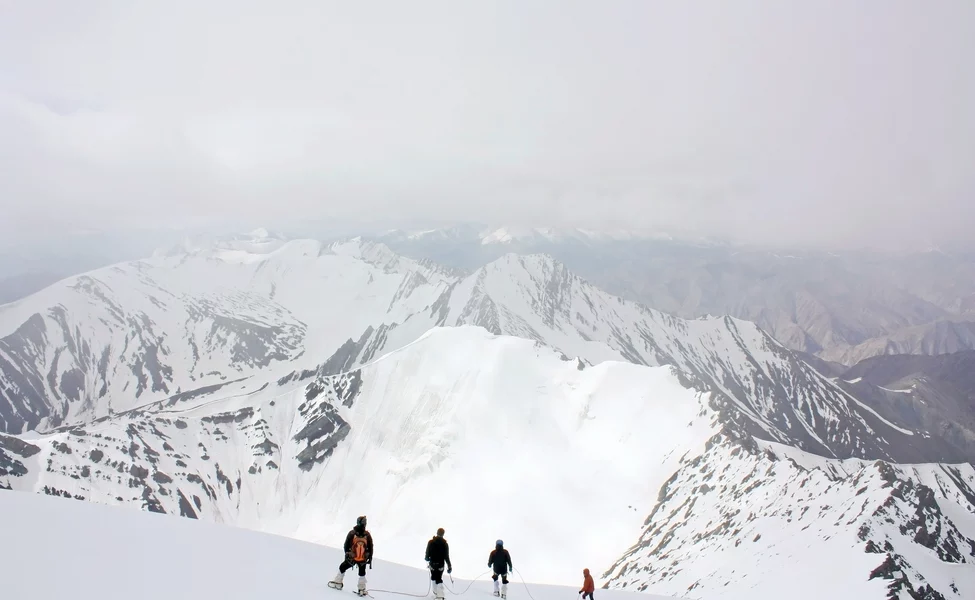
column 829, row 125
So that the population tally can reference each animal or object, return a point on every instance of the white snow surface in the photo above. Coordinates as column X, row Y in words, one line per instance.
column 140, row 332
column 753, row 527
column 459, row 402
column 54, row 548
column 487, row 436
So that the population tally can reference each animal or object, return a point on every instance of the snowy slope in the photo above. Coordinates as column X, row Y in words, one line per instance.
column 108, row 553
column 737, row 525
column 500, row 437
column 760, row 386
column 210, row 315
column 406, row 397
column 126, row 335
column 486, row 436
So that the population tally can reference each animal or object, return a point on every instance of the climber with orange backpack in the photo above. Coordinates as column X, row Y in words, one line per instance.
column 358, row 552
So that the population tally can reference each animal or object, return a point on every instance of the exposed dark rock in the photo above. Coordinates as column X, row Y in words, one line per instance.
column 185, row 508
column 160, row 477
column 138, row 472
column 11, row 451
column 235, row 417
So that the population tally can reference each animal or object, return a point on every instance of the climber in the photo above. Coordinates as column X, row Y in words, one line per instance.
column 588, row 587
column 500, row 561
column 438, row 554
column 358, row 552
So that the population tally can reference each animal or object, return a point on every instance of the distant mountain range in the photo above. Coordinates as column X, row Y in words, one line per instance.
column 842, row 307
column 291, row 385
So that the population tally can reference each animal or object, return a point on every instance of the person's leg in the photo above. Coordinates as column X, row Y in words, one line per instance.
column 438, row 582
column 504, row 584
column 496, row 587
column 341, row 574
column 362, row 577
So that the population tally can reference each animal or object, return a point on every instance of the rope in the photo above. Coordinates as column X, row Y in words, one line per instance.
column 524, row 584
column 449, row 589
column 423, row 595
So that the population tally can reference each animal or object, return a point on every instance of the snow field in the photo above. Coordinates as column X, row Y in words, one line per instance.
column 55, row 548
column 494, row 437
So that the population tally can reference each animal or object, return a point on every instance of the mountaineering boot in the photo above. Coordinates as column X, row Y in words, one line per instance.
column 496, row 593
column 336, row 581
column 438, row 591
column 362, row 586
column 504, row 590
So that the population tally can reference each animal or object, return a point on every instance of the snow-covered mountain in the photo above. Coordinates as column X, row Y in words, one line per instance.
column 110, row 553
column 841, row 306
column 741, row 525
column 457, row 424
column 517, row 401
column 501, row 437
column 136, row 332
column 488, row 235
column 140, row 332
column 933, row 393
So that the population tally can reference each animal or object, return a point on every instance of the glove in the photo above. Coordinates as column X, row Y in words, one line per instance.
column 450, row 570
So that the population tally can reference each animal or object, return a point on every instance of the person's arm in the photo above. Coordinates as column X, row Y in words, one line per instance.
column 446, row 554
column 426, row 556
column 348, row 542
column 491, row 559
column 507, row 556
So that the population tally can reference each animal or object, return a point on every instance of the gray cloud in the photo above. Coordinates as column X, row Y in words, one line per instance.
column 832, row 122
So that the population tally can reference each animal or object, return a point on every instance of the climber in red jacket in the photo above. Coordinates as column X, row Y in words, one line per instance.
column 588, row 587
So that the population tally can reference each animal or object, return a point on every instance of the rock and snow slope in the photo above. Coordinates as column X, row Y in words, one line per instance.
column 739, row 525
column 133, row 333
column 186, row 321
column 110, row 553
column 486, row 436
column 500, row 437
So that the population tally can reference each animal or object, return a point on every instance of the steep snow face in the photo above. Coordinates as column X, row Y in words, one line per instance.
column 489, row 437
column 111, row 553
column 140, row 332
column 498, row 437
column 760, row 386
column 134, row 333
column 736, row 524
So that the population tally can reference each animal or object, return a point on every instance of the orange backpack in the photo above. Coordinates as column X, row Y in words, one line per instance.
column 359, row 548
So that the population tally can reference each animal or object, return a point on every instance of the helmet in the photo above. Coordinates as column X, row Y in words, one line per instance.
column 499, row 543
column 361, row 521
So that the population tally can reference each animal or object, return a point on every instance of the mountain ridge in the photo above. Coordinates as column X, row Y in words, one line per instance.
column 416, row 370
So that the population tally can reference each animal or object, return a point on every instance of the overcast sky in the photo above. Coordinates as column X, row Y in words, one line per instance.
column 837, row 122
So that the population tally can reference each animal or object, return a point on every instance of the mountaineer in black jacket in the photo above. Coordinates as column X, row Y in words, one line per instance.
column 358, row 551
column 438, row 554
column 500, row 561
